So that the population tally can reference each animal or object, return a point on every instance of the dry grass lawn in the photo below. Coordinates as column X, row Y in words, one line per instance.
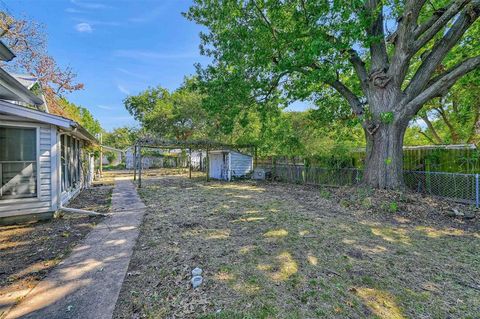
column 271, row 250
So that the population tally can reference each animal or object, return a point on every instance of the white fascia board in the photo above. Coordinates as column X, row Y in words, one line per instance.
column 39, row 116
column 17, row 89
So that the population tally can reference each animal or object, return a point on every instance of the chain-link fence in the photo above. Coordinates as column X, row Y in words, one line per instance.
column 461, row 187
column 456, row 186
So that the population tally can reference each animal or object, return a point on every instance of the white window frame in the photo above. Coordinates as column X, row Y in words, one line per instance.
column 37, row 161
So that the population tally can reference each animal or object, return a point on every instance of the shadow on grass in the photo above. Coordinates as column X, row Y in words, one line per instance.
column 300, row 255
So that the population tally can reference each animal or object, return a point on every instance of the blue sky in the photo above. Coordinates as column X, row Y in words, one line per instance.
column 117, row 47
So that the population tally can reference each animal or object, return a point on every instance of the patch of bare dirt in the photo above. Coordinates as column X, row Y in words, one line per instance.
column 29, row 251
column 407, row 207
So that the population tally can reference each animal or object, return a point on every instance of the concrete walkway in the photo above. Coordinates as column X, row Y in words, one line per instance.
column 88, row 282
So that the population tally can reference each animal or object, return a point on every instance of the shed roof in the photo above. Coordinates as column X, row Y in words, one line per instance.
column 229, row 151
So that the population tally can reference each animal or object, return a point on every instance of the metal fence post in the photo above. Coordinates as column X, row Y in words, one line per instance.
column 477, row 192
column 304, row 173
column 139, row 167
column 135, row 163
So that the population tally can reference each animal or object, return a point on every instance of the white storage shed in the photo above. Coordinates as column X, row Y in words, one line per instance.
column 228, row 164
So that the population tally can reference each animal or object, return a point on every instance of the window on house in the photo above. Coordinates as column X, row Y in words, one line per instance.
column 63, row 156
column 18, row 162
column 70, row 162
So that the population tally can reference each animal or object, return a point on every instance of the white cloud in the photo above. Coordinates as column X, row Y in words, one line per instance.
column 106, row 107
column 97, row 22
column 132, row 74
column 123, row 89
column 73, row 10
column 88, row 5
column 83, row 27
column 140, row 54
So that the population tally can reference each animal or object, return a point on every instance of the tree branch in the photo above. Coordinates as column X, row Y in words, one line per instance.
column 441, row 83
column 378, row 49
column 267, row 22
column 431, row 27
column 473, row 129
column 432, row 129
column 352, row 99
column 441, row 48
column 356, row 62
column 402, row 39
column 360, row 69
column 305, row 13
column 427, row 137
column 420, row 29
column 453, row 131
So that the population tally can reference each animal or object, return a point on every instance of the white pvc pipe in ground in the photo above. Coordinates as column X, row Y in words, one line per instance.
column 80, row 211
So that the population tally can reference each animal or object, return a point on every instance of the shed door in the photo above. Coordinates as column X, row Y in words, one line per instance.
column 225, row 168
column 216, row 166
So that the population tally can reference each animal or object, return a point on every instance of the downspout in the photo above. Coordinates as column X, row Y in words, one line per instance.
column 59, row 181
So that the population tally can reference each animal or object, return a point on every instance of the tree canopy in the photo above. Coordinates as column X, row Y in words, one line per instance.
column 386, row 59
column 80, row 115
column 121, row 137
column 178, row 114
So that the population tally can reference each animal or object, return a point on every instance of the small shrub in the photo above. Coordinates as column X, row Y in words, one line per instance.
column 367, row 203
column 393, row 207
column 344, row 203
column 325, row 194
column 363, row 192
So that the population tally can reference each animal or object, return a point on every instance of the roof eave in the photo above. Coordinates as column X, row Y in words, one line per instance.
column 16, row 88
column 5, row 53
column 86, row 134
column 22, row 111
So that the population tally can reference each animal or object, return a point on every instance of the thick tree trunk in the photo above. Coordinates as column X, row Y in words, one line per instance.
column 384, row 159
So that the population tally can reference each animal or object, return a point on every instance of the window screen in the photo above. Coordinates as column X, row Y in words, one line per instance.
column 18, row 164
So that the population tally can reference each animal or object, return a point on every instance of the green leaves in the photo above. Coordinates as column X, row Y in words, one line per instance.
column 387, row 117
column 176, row 115
column 81, row 115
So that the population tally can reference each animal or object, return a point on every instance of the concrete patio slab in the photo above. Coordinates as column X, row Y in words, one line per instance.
column 87, row 283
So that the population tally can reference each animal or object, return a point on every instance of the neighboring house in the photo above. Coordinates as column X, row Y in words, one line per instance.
column 112, row 156
column 228, row 164
column 161, row 158
column 147, row 161
column 198, row 160
column 43, row 161
column 154, row 158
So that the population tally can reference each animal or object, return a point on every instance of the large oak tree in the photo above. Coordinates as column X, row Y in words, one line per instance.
column 383, row 57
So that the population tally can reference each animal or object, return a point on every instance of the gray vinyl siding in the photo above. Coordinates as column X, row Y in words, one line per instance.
column 41, row 203
column 240, row 164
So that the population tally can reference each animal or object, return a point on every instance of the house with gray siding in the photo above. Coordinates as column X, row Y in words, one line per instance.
column 43, row 159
